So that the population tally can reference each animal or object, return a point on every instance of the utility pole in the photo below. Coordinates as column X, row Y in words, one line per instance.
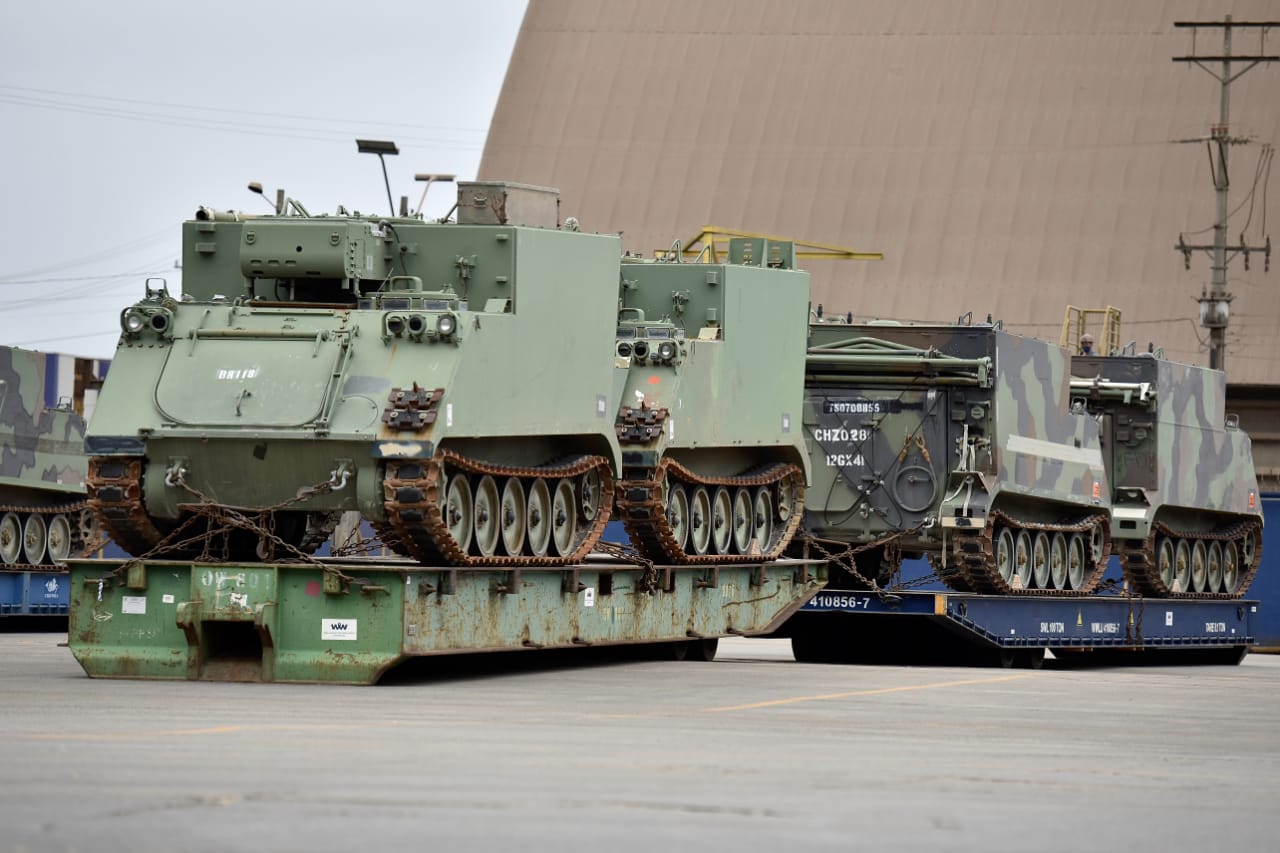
column 1215, row 303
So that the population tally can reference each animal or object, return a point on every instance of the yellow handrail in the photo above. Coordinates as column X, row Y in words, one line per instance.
column 710, row 239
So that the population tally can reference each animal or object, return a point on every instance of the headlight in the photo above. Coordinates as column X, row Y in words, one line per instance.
column 395, row 324
column 666, row 350
column 446, row 324
column 624, row 349
column 641, row 349
column 132, row 321
column 417, row 324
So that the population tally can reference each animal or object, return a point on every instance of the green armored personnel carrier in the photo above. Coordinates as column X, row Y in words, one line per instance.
column 956, row 442
column 714, row 463
column 472, row 388
column 43, row 516
column 1186, row 520
column 437, row 378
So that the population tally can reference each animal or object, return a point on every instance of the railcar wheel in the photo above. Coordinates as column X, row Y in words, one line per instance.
column 1166, row 560
column 1181, row 566
column 677, row 651
column 35, row 538
column 564, row 518
column 1230, row 567
column 458, row 506
column 1058, row 561
column 486, row 512
column 1005, row 560
column 721, row 521
column 512, row 518
column 1022, row 557
column 741, row 520
column 1199, row 565
column 700, row 521
column 762, row 520
column 1040, row 559
column 813, row 647
column 59, row 539
column 538, row 517
column 10, row 538
column 1213, row 569
column 703, row 651
column 1076, row 571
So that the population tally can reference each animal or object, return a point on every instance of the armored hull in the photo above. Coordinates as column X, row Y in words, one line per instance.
column 956, row 442
column 713, row 460
column 429, row 376
column 1186, row 521
column 43, row 515
column 462, row 385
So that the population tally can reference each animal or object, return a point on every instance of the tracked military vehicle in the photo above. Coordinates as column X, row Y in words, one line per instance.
column 955, row 442
column 467, row 386
column 1186, row 520
column 714, row 464
column 449, row 381
column 43, row 515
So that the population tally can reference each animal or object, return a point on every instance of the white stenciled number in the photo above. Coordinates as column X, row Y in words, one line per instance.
column 828, row 435
column 844, row 460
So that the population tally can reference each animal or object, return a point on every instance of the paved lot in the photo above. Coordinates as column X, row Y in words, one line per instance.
column 578, row 752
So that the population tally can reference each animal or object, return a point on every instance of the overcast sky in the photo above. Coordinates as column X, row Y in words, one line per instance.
column 120, row 119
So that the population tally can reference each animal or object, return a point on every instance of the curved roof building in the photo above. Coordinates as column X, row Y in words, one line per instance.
column 1008, row 158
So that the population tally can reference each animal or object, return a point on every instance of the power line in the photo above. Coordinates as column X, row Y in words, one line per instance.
column 324, row 119
column 44, row 301
column 81, row 336
column 103, row 277
column 86, row 286
column 1263, row 166
column 95, row 257
column 222, row 126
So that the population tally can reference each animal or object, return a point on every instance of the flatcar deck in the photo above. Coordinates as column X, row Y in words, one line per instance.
column 968, row 628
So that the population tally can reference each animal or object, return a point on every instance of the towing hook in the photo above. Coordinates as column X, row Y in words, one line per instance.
column 175, row 476
column 338, row 478
column 337, row 482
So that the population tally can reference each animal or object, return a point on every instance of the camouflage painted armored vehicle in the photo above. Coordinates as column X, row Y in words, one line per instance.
column 449, row 381
column 1186, row 519
column 956, row 442
column 43, row 516
column 712, row 453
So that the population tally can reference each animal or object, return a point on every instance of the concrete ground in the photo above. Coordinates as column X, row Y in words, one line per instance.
column 543, row 751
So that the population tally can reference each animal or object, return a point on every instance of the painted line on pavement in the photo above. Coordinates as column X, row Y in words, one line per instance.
column 878, row 691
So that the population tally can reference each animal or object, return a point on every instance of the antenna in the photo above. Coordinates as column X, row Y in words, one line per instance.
column 430, row 179
column 381, row 148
